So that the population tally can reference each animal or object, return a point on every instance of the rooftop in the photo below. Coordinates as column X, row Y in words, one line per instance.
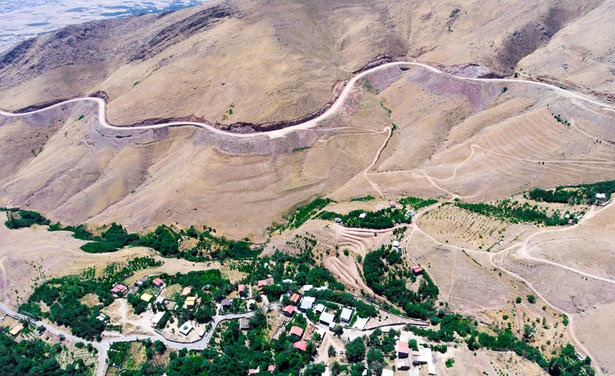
column 301, row 345
column 295, row 330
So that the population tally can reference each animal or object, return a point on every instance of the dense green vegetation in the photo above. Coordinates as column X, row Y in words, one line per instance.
column 363, row 199
column 384, row 218
column 452, row 326
column 417, row 203
column 63, row 295
column 24, row 218
column 35, row 358
column 300, row 215
column 516, row 212
column 573, row 194
column 386, row 274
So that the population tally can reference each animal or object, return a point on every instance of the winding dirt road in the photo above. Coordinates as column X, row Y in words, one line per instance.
column 337, row 105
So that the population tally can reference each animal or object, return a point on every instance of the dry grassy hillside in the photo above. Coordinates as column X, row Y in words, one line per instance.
column 275, row 60
column 272, row 60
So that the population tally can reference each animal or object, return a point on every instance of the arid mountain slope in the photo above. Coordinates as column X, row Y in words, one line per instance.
column 270, row 60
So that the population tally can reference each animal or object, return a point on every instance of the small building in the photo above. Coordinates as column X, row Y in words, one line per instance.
column 190, row 301
column 141, row 281
column 294, row 298
column 244, row 324
column 319, row 308
column 362, row 215
column 402, row 364
column 271, row 368
column 288, row 281
column 417, row 269
column 306, row 288
column 600, row 196
column 301, row 345
column 253, row 371
column 288, row 310
column 396, row 243
column 307, row 303
column 326, row 318
column 102, row 317
column 388, row 372
column 346, row 315
column 264, row 282
column 147, row 297
column 186, row 328
column 402, row 350
column 186, row 291
column 409, row 214
column 225, row 303
column 119, row 289
column 296, row 331
column 159, row 300
column 392, row 204
column 156, row 318
column 241, row 289
column 16, row 330
column 158, row 282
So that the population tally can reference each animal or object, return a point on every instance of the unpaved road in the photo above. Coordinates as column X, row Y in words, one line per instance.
column 337, row 105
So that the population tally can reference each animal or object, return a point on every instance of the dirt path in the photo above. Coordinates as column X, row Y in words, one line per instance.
column 335, row 107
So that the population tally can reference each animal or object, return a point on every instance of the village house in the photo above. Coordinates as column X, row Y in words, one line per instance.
column 253, row 371
column 402, row 350
column 301, row 345
column 241, row 290
column 346, row 315
column 156, row 318
column 296, row 331
column 294, row 299
column 264, row 282
column 147, row 297
column 319, row 308
column 244, row 324
column 326, row 318
column 16, row 330
column 158, row 282
column 186, row 291
column 392, row 204
column 190, row 302
column 417, row 269
column 307, row 303
column 288, row 310
column 388, row 372
column 402, row 364
column 141, row 281
column 119, row 289
column 225, row 303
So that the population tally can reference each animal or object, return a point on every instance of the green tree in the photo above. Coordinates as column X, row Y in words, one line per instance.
column 355, row 350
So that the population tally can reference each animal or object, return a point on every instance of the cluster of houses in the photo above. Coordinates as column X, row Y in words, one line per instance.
column 411, row 361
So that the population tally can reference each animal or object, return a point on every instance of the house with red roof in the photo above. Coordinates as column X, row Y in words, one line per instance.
column 301, row 345
column 264, row 282
column 402, row 349
column 253, row 371
column 288, row 310
column 417, row 269
column 297, row 331
column 241, row 289
column 271, row 368
column 119, row 289
column 294, row 298
column 158, row 282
